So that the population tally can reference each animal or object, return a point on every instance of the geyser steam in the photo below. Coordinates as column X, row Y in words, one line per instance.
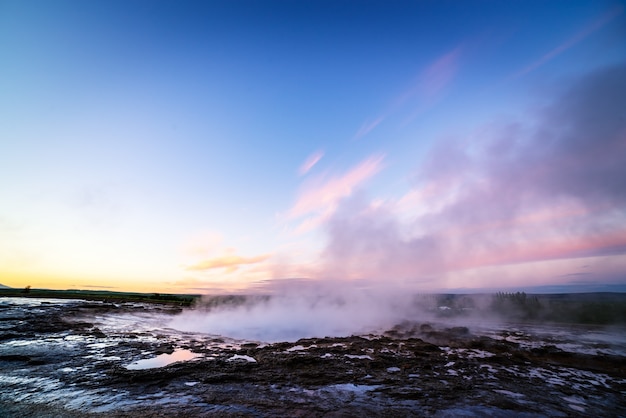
column 316, row 311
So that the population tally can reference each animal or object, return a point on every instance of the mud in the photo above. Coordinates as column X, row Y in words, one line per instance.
column 72, row 358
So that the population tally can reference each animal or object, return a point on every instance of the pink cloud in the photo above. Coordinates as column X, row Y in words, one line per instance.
column 556, row 248
column 588, row 30
column 430, row 84
column 432, row 80
column 320, row 198
column 547, row 191
column 310, row 162
column 439, row 74
column 367, row 127
column 229, row 262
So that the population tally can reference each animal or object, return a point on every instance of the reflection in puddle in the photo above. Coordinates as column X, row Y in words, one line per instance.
column 162, row 360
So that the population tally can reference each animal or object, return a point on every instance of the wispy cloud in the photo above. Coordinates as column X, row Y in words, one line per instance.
column 310, row 162
column 319, row 198
column 229, row 262
column 368, row 126
column 437, row 76
column 588, row 30
column 426, row 89
column 523, row 192
column 89, row 286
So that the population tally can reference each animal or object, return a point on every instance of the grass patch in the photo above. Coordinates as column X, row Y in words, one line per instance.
column 104, row 295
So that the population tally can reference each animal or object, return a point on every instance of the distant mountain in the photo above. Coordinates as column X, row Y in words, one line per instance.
column 4, row 287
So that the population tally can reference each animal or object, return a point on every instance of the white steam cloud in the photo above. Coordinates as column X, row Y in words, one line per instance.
column 554, row 190
column 312, row 311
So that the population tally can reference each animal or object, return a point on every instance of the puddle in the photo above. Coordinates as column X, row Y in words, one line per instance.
column 32, row 302
column 162, row 360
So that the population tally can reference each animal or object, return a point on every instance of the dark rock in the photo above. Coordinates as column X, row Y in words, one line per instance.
column 14, row 357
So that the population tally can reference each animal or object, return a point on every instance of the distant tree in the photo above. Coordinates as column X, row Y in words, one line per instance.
column 26, row 289
column 516, row 305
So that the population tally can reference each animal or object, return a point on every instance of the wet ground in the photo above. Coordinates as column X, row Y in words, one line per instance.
column 83, row 358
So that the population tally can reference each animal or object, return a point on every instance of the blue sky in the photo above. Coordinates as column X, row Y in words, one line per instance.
column 179, row 146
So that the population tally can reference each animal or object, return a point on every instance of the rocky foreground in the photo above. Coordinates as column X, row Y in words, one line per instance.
column 82, row 358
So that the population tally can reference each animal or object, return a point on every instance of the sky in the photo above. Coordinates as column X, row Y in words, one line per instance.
column 239, row 146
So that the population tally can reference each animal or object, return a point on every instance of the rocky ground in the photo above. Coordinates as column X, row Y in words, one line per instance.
column 82, row 358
